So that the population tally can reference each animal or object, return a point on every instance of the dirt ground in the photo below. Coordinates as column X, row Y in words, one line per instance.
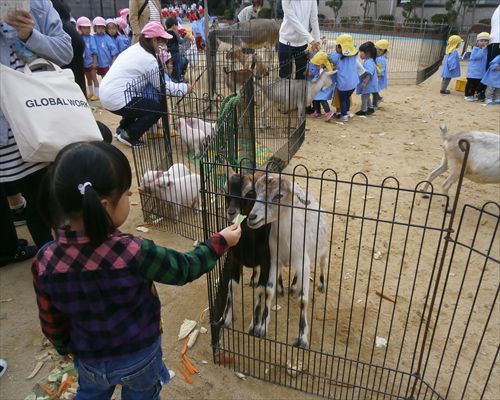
column 402, row 139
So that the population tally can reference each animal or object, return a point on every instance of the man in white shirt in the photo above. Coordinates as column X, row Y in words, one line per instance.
column 494, row 45
column 295, row 36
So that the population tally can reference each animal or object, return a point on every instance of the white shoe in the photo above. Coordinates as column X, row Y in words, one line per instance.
column 344, row 118
column 470, row 98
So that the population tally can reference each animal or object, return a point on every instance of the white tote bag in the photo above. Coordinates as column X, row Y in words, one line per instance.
column 46, row 110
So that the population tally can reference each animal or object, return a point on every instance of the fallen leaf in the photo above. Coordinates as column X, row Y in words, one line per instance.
column 380, row 342
column 241, row 376
column 142, row 229
column 6, row 300
column 276, row 307
column 35, row 371
column 186, row 328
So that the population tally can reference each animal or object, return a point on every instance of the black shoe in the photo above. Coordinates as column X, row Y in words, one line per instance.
column 129, row 141
column 360, row 112
column 23, row 253
column 370, row 111
column 444, row 92
column 19, row 216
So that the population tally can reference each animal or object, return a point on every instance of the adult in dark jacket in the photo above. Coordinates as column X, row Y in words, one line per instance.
column 76, row 64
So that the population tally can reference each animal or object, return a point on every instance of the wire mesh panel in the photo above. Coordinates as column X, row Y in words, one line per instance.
column 170, row 200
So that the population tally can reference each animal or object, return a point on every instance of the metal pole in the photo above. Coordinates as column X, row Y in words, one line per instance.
column 102, row 8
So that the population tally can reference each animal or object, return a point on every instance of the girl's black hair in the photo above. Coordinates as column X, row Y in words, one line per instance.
column 170, row 22
column 369, row 49
column 108, row 171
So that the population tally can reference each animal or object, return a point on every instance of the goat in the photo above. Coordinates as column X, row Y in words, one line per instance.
column 252, row 250
column 293, row 94
column 300, row 233
column 192, row 137
column 251, row 62
column 236, row 78
column 254, row 34
column 483, row 162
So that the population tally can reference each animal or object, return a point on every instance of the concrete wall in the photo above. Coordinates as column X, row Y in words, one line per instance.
column 352, row 8
column 92, row 8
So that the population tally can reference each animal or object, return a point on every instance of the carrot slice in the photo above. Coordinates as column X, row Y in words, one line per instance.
column 185, row 374
column 385, row 296
column 185, row 347
column 192, row 370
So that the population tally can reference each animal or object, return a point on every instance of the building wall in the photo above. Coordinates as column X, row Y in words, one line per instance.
column 352, row 8
column 92, row 8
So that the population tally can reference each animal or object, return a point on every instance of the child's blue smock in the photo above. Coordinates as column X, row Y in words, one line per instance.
column 372, row 85
column 90, row 50
column 198, row 27
column 492, row 77
column 106, row 50
column 347, row 74
column 121, row 42
column 451, row 65
column 381, row 62
column 477, row 63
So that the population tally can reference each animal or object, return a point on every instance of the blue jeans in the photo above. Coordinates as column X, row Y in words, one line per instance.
column 344, row 99
column 141, row 376
column 140, row 114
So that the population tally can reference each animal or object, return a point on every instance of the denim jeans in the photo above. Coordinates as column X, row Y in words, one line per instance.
column 139, row 115
column 287, row 54
column 344, row 99
column 141, row 376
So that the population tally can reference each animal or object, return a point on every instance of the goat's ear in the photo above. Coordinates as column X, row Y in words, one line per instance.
column 247, row 185
column 301, row 196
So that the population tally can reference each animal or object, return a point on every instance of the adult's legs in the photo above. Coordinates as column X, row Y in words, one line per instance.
column 285, row 57
column 7, row 228
column 300, row 57
column 30, row 188
column 143, row 113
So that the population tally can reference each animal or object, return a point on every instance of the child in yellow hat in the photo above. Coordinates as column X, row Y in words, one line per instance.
column 319, row 62
column 451, row 63
column 382, row 47
column 477, row 68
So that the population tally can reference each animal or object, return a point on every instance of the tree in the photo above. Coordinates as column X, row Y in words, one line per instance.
column 456, row 8
column 409, row 9
column 335, row 5
column 366, row 6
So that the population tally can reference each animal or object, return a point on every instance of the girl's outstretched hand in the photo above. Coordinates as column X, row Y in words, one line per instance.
column 232, row 234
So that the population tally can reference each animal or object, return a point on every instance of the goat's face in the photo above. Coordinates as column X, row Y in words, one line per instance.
column 240, row 195
column 271, row 190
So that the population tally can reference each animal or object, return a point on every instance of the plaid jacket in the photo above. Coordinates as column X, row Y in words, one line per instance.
column 100, row 303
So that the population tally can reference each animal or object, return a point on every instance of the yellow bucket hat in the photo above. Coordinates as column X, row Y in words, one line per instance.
column 382, row 44
column 453, row 42
column 484, row 36
column 347, row 44
column 321, row 58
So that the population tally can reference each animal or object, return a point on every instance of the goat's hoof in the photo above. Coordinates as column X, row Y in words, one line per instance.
column 293, row 290
column 321, row 287
column 281, row 291
column 262, row 333
column 252, row 331
column 299, row 342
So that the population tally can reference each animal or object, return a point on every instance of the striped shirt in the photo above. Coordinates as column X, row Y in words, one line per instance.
column 100, row 303
column 12, row 166
column 154, row 14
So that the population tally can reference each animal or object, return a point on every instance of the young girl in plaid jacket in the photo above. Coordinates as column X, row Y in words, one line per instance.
column 94, row 284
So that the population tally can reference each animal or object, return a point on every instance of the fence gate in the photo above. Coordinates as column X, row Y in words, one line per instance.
column 410, row 303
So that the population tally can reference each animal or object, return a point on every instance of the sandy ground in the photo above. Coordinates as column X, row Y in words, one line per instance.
column 402, row 140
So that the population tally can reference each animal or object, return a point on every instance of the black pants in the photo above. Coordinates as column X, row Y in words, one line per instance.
column 139, row 115
column 493, row 51
column 317, row 106
column 29, row 186
column 474, row 86
column 345, row 101
column 287, row 54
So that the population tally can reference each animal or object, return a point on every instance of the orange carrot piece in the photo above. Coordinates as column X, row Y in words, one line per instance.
column 325, row 318
column 46, row 389
column 64, row 385
column 192, row 370
column 185, row 374
column 185, row 347
column 384, row 296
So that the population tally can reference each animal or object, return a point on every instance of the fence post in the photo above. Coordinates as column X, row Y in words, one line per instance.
column 211, row 65
column 465, row 147
column 164, row 115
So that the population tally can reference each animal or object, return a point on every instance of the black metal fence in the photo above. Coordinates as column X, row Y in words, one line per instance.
column 394, row 300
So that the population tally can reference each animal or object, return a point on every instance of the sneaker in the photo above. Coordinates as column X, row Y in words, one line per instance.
column 361, row 112
column 344, row 118
column 444, row 92
column 328, row 116
column 337, row 115
column 118, row 132
column 489, row 101
column 380, row 99
column 126, row 139
column 470, row 98
column 23, row 253
column 370, row 111
column 315, row 114
column 19, row 216
column 3, row 366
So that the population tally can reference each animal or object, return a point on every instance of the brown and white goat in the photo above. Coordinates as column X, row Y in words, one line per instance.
column 302, row 235
column 483, row 162
column 250, row 62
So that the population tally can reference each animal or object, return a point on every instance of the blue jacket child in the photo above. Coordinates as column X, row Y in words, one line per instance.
column 372, row 85
column 106, row 50
column 381, row 62
column 90, row 50
column 477, row 63
column 451, row 64
column 492, row 76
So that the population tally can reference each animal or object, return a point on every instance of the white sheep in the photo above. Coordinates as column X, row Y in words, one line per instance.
column 293, row 94
column 483, row 162
column 298, row 247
